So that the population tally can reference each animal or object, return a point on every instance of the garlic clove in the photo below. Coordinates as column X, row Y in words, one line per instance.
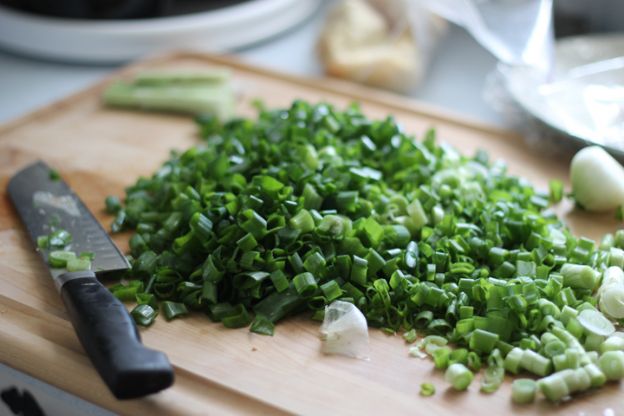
column 344, row 330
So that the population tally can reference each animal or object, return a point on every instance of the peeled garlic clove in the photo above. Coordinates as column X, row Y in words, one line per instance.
column 344, row 330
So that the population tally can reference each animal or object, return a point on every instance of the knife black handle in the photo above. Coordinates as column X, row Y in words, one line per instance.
column 111, row 339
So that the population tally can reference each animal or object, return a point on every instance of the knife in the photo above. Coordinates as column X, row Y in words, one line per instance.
column 104, row 327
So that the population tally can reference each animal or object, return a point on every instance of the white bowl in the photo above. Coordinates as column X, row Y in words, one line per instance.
column 108, row 41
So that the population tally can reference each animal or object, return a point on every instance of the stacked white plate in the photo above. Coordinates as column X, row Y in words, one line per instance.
column 120, row 40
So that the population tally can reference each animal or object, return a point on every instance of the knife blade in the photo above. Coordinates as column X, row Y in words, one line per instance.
column 104, row 327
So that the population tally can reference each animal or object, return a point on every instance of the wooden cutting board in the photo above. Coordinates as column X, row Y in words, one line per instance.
column 99, row 151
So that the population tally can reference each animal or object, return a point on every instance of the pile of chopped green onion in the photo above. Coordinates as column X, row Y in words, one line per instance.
column 271, row 217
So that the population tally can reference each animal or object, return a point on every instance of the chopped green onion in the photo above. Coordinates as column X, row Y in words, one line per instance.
column 494, row 374
column 129, row 291
column 535, row 363
column 483, row 341
column 612, row 365
column 553, row 387
column 146, row 299
column 523, row 390
column 238, row 318
column 441, row 357
column 492, row 379
column 144, row 314
column 78, row 264
column 59, row 258
column 553, row 348
column 303, row 221
column 89, row 255
column 305, row 284
column 613, row 343
column 410, row 336
column 458, row 376
column 113, row 204
column 59, row 239
column 579, row 276
column 433, row 342
column 427, row 389
column 473, row 361
column 43, row 242
column 173, row 310
column 556, row 190
column 459, row 355
column 593, row 342
column 331, row 290
column 261, row 325
column 595, row 323
column 596, row 376
column 54, row 175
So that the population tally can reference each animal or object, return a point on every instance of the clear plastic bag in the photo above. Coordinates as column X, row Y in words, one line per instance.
column 388, row 43
column 583, row 98
column 383, row 43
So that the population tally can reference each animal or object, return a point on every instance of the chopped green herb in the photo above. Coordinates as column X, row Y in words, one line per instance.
column 59, row 239
column 410, row 336
column 54, row 175
column 173, row 310
column 261, row 325
column 43, row 242
column 59, row 259
column 144, row 314
column 129, row 291
column 458, row 376
column 556, row 190
column 78, row 265
column 427, row 389
column 113, row 204
column 523, row 390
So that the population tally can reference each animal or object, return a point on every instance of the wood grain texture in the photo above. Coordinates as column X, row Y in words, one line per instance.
column 99, row 151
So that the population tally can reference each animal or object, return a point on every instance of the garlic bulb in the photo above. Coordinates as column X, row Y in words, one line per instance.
column 344, row 330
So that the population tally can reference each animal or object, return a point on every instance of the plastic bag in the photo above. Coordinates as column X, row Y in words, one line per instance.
column 517, row 32
column 583, row 98
column 383, row 43
column 388, row 43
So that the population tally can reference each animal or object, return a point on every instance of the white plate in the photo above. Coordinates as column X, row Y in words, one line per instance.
column 122, row 40
column 585, row 98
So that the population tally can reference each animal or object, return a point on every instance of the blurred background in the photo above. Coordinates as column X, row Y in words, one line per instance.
column 517, row 64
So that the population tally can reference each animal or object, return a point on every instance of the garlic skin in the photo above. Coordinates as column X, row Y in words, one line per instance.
column 597, row 179
column 344, row 331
